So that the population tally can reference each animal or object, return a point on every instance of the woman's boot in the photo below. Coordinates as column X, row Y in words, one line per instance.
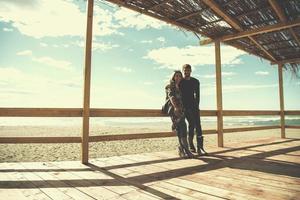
column 181, row 152
column 185, row 147
column 200, row 149
column 191, row 144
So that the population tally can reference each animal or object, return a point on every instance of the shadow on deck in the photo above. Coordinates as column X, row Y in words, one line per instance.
column 262, row 169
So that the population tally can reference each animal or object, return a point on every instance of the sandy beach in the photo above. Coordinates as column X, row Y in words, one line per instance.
column 57, row 152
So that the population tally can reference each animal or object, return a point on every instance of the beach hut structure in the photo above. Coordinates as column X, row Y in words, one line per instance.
column 269, row 29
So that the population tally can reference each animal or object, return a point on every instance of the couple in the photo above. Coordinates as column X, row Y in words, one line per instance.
column 183, row 94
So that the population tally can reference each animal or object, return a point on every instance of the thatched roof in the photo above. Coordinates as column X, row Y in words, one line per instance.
column 269, row 29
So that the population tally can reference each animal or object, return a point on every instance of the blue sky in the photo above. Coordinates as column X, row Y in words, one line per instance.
column 42, row 60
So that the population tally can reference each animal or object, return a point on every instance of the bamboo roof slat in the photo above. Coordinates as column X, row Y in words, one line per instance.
column 232, row 20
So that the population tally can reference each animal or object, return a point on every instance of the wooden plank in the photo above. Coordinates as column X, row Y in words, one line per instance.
column 250, row 112
column 231, row 21
column 107, row 112
column 23, row 140
column 137, row 113
column 40, row 112
column 58, row 178
column 138, row 136
column 262, row 48
column 26, row 186
column 281, row 100
column 253, row 32
column 290, row 126
column 90, row 182
column 233, row 130
column 46, row 186
column 242, row 187
column 282, row 62
column 219, row 94
column 87, row 84
column 163, row 186
column 15, row 186
column 292, row 112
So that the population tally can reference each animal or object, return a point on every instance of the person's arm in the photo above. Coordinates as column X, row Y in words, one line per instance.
column 173, row 100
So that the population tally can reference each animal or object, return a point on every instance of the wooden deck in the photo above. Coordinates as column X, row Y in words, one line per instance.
column 263, row 169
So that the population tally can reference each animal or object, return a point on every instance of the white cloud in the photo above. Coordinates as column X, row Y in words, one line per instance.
column 228, row 74
column 148, row 83
column 60, row 64
column 146, row 41
column 24, row 89
column 262, row 73
column 130, row 19
column 209, row 76
column 161, row 39
column 174, row 57
column 103, row 46
column 210, row 89
column 43, row 44
column 7, row 29
column 96, row 45
column 25, row 53
column 44, row 18
column 123, row 69
column 54, row 18
column 236, row 88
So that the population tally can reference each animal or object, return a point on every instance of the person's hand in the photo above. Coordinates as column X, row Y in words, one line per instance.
column 177, row 111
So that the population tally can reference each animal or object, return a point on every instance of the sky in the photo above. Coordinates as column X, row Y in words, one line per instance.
column 133, row 57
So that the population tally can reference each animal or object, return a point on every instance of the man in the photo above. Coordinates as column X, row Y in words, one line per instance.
column 189, row 88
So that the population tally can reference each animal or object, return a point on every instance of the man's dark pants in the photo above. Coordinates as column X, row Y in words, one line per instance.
column 193, row 118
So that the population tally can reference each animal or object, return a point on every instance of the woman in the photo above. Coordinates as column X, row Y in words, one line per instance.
column 177, row 114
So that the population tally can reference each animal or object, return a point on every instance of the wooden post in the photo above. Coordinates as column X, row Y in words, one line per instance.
column 281, row 97
column 87, row 84
column 219, row 94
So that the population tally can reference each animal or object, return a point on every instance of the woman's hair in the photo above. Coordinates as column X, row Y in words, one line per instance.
column 173, row 76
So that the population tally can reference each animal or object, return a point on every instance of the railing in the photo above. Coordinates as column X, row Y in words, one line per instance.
column 77, row 112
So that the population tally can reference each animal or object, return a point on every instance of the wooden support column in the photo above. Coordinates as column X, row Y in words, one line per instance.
column 219, row 94
column 281, row 97
column 87, row 84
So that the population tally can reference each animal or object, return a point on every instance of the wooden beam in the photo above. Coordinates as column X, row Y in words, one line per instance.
column 40, row 112
column 231, row 21
column 278, row 10
column 43, row 140
column 262, row 48
column 233, row 130
column 292, row 112
column 87, row 84
column 221, row 13
column 134, row 136
column 249, row 112
column 281, row 98
column 265, row 29
column 292, row 126
column 219, row 94
column 280, row 13
column 282, row 62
